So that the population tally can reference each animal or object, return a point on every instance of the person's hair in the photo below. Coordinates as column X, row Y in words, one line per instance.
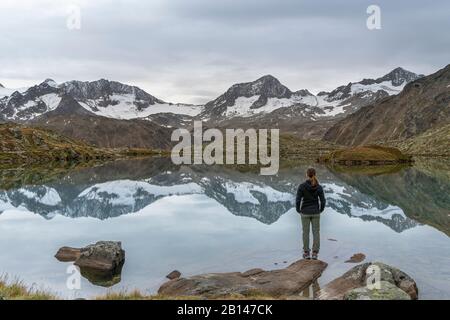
column 311, row 173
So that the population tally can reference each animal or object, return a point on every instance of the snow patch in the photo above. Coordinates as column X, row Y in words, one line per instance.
column 386, row 86
column 126, row 106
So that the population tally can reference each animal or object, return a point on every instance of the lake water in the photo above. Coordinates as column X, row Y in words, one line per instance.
column 214, row 219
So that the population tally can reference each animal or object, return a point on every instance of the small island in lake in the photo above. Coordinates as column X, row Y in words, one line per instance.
column 366, row 155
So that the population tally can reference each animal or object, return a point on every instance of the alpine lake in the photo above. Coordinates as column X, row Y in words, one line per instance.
column 199, row 219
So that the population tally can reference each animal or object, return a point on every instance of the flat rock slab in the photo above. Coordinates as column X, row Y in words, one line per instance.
column 67, row 254
column 284, row 282
column 361, row 281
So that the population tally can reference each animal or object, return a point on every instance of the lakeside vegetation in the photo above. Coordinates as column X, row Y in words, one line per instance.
column 366, row 155
column 17, row 290
column 20, row 145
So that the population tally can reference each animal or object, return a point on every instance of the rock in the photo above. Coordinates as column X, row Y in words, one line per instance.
column 356, row 258
column 174, row 275
column 360, row 276
column 387, row 291
column 400, row 279
column 103, row 256
column 283, row 282
column 100, row 263
column 66, row 254
column 331, row 239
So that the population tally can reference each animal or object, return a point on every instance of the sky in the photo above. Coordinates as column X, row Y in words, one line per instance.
column 193, row 51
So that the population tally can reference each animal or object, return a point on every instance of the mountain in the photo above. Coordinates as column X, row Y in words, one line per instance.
column 423, row 104
column 244, row 97
column 102, row 113
column 70, row 119
column 102, row 97
column 263, row 96
column 30, row 103
column 112, row 114
column 267, row 95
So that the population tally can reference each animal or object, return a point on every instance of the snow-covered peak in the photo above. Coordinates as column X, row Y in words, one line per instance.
column 102, row 97
column 102, row 89
column 267, row 94
column 399, row 77
column 51, row 83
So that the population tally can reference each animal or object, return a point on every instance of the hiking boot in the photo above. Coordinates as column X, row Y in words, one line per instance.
column 306, row 255
column 315, row 255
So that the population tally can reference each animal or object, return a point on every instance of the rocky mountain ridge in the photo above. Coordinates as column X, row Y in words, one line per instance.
column 424, row 104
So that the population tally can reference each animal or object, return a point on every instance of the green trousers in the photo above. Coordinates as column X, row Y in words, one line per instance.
column 311, row 221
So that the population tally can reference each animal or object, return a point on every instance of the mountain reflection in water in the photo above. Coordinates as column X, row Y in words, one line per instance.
column 399, row 200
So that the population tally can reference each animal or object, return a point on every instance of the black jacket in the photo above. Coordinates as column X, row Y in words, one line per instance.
column 308, row 197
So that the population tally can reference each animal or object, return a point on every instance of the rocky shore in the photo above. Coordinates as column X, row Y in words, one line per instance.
column 367, row 281
column 101, row 263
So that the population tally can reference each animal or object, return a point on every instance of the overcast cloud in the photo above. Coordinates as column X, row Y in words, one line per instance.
column 193, row 50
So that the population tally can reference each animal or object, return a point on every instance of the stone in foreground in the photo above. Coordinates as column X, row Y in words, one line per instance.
column 360, row 283
column 102, row 256
column 276, row 283
column 386, row 291
column 101, row 263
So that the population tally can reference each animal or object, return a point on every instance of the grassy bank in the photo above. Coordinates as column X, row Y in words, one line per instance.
column 16, row 290
column 20, row 145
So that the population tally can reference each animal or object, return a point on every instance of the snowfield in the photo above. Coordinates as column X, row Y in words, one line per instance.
column 127, row 107
column 386, row 86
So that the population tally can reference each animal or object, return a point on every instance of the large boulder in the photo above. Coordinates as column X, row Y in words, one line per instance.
column 101, row 263
column 371, row 280
column 276, row 283
column 386, row 291
column 102, row 256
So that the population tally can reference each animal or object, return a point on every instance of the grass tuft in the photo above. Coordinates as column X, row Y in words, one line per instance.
column 17, row 290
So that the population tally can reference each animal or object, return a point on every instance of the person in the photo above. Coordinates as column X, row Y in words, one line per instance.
column 310, row 203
